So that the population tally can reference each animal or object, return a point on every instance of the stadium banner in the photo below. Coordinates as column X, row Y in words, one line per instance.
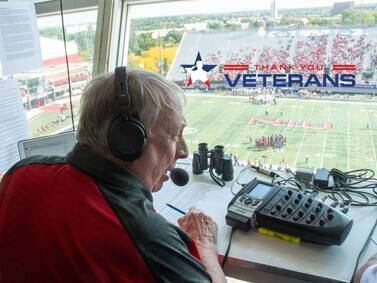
column 276, row 75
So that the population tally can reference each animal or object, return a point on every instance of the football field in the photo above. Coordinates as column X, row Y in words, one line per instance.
column 340, row 134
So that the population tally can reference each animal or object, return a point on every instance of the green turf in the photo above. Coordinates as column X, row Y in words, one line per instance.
column 45, row 118
column 348, row 145
column 50, row 118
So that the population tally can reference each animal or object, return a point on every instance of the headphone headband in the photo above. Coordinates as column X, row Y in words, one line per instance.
column 126, row 135
column 121, row 87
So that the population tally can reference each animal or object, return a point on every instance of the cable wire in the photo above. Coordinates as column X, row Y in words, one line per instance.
column 237, row 180
column 228, row 248
column 356, row 187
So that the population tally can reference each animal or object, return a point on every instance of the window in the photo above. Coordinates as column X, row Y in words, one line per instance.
column 49, row 106
column 245, row 96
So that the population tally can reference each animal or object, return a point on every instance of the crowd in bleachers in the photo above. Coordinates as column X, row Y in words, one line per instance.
column 275, row 55
column 373, row 56
column 312, row 50
column 348, row 50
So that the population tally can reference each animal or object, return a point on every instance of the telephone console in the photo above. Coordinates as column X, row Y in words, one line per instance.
column 283, row 210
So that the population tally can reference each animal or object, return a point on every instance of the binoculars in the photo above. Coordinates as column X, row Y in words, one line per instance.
column 218, row 161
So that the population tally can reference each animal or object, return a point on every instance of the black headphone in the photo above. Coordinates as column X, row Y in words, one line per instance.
column 126, row 135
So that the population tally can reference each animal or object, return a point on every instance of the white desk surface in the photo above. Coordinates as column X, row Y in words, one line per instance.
column 259, row 258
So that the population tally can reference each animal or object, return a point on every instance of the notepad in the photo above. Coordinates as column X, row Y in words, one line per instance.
column 212, row 199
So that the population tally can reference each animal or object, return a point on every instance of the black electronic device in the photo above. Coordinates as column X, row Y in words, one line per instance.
column 126, row 135
column 263, row 204
column 218, row 161
column 321, row 178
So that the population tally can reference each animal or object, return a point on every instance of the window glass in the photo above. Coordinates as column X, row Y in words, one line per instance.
column 45, row 94
column 277, row 83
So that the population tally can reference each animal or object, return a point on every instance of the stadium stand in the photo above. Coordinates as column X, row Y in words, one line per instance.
column 303, row 46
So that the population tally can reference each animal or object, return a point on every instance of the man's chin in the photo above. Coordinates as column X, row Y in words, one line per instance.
column 160, row 183
column 157, row 188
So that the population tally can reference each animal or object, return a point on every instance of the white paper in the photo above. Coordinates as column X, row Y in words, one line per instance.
column 13, row 126
column 212, row 199
column 20, row 48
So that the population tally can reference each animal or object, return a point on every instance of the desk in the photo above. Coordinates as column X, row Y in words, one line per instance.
column 259, row 258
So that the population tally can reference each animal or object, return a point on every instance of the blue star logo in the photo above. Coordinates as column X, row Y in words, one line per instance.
column 198, row 71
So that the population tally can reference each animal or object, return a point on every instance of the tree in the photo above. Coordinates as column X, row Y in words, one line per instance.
column 350, row 17
column 232, row 26
column 367, row 18
column 289, row 20
column 173, row 37
column 133, row 44
column 216, row 26
column 146, row 41
column 155, row 59
column 55, row 33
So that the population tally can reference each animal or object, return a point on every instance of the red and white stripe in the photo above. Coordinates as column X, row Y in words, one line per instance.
column 237, row 67
column 344, row 67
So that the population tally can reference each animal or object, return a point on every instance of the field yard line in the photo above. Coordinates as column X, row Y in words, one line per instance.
column 325, row 141
column 220, row 132
column 201, row 116
column 209, row 124
column 239, row 133
column 371, row 140
column 303, row 137
column 348, row 140
column 290, row 117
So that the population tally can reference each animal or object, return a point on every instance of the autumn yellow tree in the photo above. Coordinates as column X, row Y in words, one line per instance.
column 151, row 59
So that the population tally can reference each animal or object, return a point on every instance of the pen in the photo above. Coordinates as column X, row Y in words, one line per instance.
column 176, row 209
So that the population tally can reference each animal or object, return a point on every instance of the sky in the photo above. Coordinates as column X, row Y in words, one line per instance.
column 218, row 6
column 189, row 7
column 70, row 19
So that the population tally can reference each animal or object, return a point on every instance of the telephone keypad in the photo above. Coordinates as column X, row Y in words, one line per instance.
column 297, row 207
column 272, row 206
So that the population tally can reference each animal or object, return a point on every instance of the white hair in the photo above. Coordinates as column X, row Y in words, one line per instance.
column 152, row 97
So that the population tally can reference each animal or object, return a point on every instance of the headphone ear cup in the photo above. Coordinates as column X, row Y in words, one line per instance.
column 126, row 138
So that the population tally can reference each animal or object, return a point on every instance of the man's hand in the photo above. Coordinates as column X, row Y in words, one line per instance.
column 203, row 231
column 201, row 227
column 370, row 262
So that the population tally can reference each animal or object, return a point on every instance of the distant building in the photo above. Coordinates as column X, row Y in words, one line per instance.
column 156, row 34
column 339, row 7
column 303, row 22
column 245, row 26
column 274, row 10
column 52, row 80
column 196, row 26
column 53, row 52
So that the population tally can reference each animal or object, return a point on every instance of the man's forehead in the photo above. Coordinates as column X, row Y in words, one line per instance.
column 170, row 124
column 179, row 125
column 174, row 118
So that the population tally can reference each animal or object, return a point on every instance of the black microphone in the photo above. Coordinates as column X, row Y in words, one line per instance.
column 179, row 176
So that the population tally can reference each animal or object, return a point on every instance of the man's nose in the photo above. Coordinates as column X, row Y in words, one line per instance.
column 182, row 150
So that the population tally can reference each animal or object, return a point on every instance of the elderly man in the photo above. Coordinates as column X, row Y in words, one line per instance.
column 89, row 217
